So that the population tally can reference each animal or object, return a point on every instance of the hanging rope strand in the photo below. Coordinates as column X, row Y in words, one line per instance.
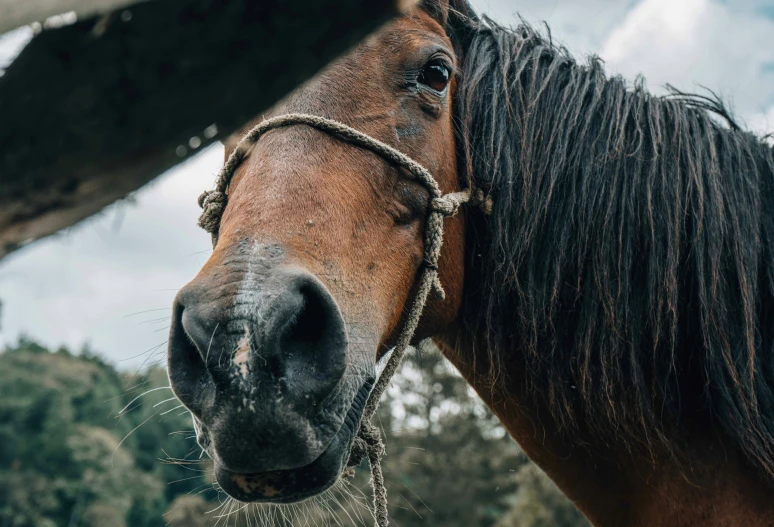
column 368, row 442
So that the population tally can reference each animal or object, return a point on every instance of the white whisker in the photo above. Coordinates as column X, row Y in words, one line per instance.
column 173, row 409
column 143, row 394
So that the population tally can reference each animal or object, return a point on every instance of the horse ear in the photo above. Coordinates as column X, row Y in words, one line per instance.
column 438, row 9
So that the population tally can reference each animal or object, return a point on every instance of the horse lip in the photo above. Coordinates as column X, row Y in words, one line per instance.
column 269, row 487
column 296, row 484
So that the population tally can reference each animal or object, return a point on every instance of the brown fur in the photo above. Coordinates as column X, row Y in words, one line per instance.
column 618, row 489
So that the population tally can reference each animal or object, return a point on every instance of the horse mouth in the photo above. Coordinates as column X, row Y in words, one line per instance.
column 297, row 484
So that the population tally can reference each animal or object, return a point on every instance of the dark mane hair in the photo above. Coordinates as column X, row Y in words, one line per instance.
column 629, row 258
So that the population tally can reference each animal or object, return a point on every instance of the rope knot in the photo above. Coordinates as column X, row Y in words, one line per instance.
column 213, row 203
column 357, row 454
column 372, row 438
column 447, row 205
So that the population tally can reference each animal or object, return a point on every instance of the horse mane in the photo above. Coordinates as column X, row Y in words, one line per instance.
column 628, row 263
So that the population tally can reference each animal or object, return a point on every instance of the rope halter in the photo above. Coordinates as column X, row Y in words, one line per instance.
column 368, row 442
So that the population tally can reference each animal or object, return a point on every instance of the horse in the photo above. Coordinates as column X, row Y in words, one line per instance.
column 614, row 308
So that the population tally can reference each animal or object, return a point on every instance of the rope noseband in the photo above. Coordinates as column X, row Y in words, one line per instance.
column 368, row 442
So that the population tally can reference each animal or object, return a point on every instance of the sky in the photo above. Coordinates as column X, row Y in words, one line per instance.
column 109, row 282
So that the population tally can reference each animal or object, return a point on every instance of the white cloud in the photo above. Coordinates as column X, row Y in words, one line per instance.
column 689, row 43
column 12, row 43
column 762, row 123
column 580, row 25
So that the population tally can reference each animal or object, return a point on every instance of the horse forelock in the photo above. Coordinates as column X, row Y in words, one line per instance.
column 629, row 259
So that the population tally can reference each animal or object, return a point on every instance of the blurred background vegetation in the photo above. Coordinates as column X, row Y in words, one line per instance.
column 87, row 445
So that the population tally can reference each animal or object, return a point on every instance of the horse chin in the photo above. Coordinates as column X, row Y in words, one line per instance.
column 297, row 484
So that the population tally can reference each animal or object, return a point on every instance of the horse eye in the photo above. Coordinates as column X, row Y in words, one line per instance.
column 435, row 75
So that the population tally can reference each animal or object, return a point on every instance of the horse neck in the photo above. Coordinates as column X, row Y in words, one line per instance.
column 617, row 489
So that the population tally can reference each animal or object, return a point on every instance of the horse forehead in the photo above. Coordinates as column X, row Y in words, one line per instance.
column 408, row 35
column 403, row 35
column 355, row 77
column 419, row 24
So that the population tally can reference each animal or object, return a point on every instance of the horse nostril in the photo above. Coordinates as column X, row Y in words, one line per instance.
column 185, row 365
column 306, row 328
column 313, row 344
column 289, row 339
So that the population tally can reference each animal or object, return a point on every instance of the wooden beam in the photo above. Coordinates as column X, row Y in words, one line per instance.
column 19, row 13
column 94, row 110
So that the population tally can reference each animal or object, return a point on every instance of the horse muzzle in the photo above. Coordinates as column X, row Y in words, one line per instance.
column 258, row 354
column 293, row 485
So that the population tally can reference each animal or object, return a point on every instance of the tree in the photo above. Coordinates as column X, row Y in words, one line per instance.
column 539, row 503
column 449, row 461
column 71, row 451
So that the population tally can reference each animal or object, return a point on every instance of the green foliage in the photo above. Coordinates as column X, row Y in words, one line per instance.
column 539, row 503
column 189, row 511
column 70, row 456
column 449, row 461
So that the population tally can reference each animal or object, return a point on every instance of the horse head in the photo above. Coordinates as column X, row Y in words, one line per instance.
column 274, row 344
